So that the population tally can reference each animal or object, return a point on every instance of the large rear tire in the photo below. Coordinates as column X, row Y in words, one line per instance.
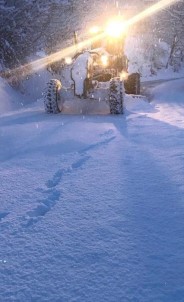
column 52, row 97
column 132, row 84
column 116, row 96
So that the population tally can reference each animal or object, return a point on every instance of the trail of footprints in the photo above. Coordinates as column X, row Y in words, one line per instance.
column 52, row 193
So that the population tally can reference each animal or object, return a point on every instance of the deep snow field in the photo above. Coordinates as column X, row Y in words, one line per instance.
column 91, row 205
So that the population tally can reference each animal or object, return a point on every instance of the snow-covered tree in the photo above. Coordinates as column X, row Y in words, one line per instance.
column 20, row 30
column 171, row 28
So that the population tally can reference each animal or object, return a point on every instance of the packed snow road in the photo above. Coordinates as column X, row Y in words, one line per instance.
column 92, row 207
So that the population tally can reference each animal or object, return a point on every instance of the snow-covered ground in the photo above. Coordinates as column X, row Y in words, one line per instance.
column 92, row 206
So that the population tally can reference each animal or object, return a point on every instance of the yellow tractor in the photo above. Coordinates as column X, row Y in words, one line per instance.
column 99, row 72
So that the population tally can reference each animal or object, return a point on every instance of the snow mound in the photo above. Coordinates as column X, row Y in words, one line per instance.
column 9, row 98
column 173, row 92
column 168, row 100
column 137, row 104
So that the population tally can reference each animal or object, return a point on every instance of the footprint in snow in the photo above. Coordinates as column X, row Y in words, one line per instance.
column 51, row 183
column 42, row 209
column 107, row 133
column 3, row 215
column 97, row 145
column 53, row 195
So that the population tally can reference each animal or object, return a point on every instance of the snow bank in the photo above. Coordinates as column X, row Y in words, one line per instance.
column 173, row 92
column 32, row 89
column 9, row 98
column 150, row 59
column 163, row 74
column 35, row 84
column 168, row 100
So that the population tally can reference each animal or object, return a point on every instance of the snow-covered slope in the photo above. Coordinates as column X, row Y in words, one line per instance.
column 9, row 98
column 170, row 106
column 91, row 207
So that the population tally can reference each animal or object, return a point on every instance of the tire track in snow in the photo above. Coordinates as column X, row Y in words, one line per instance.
column 53, row 194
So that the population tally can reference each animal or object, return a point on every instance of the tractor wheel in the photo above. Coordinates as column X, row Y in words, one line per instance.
column 52, row 97
column 87, row 85
column 132, row 84
column 116, row 96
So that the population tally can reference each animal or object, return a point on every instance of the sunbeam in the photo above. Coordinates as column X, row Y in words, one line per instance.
column 66, row 52
column 150, row 11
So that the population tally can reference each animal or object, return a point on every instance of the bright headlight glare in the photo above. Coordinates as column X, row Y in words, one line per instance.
column 115, row 29
column 94, row 30
column 68, row 60
column 124, row 75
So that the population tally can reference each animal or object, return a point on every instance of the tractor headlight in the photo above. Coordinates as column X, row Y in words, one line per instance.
column 115, row 29
column 68, row 60
column 94, row 30
column 123, row 75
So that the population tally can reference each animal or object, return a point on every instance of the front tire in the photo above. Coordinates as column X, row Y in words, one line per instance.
column 52, row 96
column 132, row 84
column 116, row 96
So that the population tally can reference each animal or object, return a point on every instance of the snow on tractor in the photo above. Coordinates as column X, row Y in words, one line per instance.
column 99, row 73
